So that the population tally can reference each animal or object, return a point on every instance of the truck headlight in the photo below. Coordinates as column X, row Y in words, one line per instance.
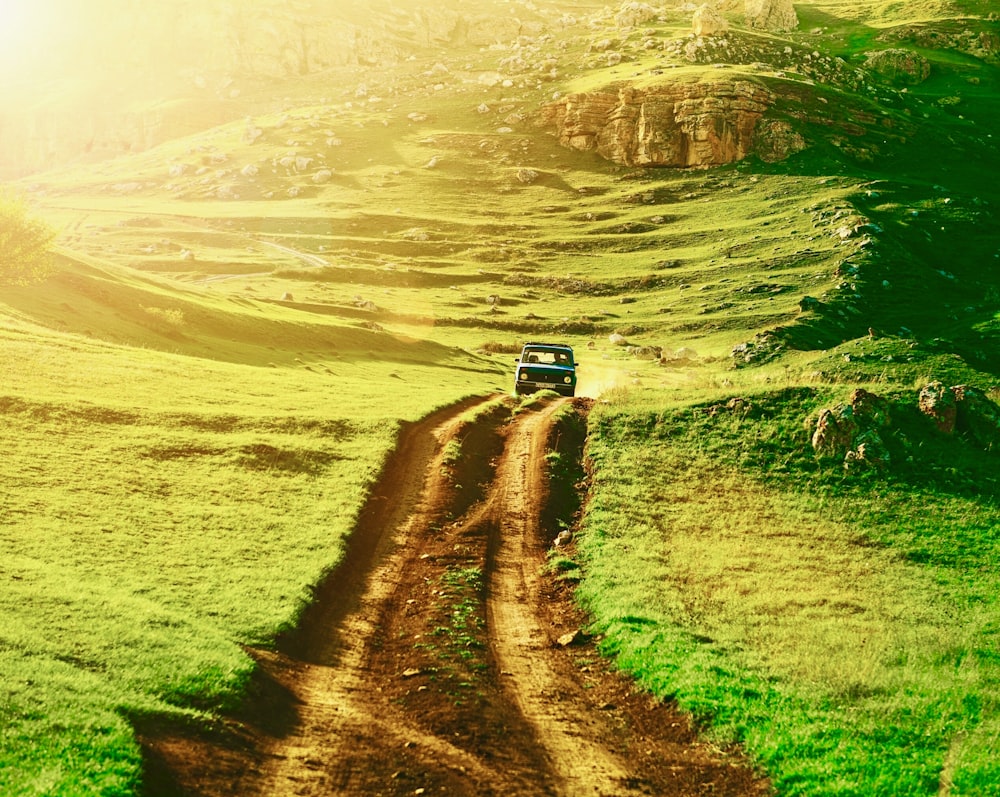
column 523, row 375
column 567, row 380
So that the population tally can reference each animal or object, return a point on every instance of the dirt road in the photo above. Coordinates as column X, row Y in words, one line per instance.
column 443, row 658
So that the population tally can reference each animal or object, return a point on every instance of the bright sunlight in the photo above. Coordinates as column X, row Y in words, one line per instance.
column 21, row 33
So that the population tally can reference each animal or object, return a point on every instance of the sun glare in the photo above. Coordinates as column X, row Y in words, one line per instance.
column 19, row 32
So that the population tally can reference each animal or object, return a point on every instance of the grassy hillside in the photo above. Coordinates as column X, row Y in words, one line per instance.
column 240, row 319
column 180, row 471
column 839, row 624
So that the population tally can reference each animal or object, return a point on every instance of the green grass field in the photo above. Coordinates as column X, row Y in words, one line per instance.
column 842, row 628
column 196, row 400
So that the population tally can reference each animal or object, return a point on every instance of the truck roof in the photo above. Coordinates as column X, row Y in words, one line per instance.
column 550, row 345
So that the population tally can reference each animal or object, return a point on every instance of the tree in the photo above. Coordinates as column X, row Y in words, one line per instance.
column 24, row 243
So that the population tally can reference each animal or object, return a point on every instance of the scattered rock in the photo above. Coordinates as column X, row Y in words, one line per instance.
column 616, row 339
column 764, row 347
column 860, row 430
column 736, row 405
column 835, row 431
column 571, row 638
column 645, row 352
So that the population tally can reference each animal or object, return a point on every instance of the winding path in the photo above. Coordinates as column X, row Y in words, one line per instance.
column 404, row 679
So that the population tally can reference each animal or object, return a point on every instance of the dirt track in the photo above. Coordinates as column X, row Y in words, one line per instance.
column 430, row 663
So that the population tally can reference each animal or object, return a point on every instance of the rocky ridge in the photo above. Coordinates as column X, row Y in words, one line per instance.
column 675, row 124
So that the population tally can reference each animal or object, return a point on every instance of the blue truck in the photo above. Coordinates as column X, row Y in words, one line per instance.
column 546, row 366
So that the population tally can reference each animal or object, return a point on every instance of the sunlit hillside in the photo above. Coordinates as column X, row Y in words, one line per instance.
column 287, row 229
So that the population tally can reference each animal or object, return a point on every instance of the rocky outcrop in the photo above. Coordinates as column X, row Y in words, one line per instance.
column 775, row 139
column 773, row 15
column 853, row 431
column 965, row 36
column 962, row 409
column 978, row 416
column 861, row 433
column 673, row 124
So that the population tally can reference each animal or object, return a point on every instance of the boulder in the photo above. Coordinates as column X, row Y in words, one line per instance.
column 871, row 409
column 631, row 14
column 938, row 403
column 775, row 140
column 899, row 66
column 977, row 416
column 645, row 352
column 870, row 452
column 835, row 431
column 852, row 431
column 773, row 15
column 708, row 21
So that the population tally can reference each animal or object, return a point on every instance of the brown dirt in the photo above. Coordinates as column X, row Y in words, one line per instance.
column 431, row 664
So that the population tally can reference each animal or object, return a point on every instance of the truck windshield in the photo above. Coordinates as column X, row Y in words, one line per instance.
column 544, row 357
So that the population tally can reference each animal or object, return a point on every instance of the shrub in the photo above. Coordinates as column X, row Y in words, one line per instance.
column 24, row 243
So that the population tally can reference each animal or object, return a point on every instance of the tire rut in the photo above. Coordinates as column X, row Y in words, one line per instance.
column 575, row 739
column 428, row 665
